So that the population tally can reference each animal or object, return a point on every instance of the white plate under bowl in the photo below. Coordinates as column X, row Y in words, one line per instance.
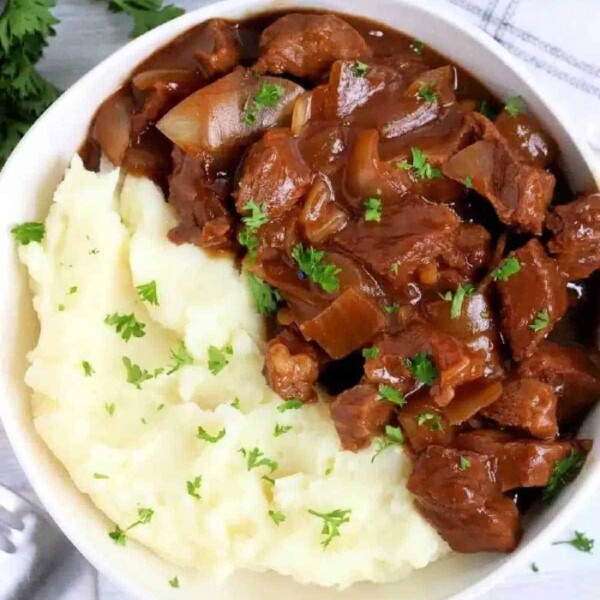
column 26, row 187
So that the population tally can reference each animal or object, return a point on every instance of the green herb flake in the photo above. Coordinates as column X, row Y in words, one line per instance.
column 100, row 476
column 217, row 358
column 420, row 166
column 310, row 261
column 417, row 46
column 256, row 219
column 202, row 434
column 332, row 521
column 391, row 309
column 277, row 517
column 515, row 106
column 119, row 536
column 432, row 420
column 464, row 463
column 72, row 290
column 87, row 368
column 422, row 368
column 281, row 429
column 564, row 472
column 373, row 209
column 487, row 110
column 266, row 298
column 110, row 408
column 394, row 436
column 147, row 292
column 389, row 394
column 61, row 308
column 26, row 233
column 506, row 269
column 255, row 458
column 267, row 96
column 394, row 268
column 580, row 542
column 174, row 583
column 541, row 321
column 534, row 568
column 427, row 94
column 291, row 404
column 193, row 487
column 462, row 291
column 372, row 352
column 136, row 375
column 236, row 403
column 126, row 325
column 181, row 357
column 359, row 69
column 468, row 182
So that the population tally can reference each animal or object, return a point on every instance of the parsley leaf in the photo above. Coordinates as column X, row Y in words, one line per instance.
column 391, row 309
column 311, row 263
column 236, row 403
column 193, row 487
column 110, row 408
column 136, row 375
column 100, row 476
column 359, row 69
column 507, row 268
column 87, row 368
column 515, row 106
column 541, row 321
column 257, row 217
column 255, row 458
column 394, row 436
column 372, row 352
column 29, row 232
column 433, row 420
column 146, row 14
column 291, row 404
column 420, row 166
column 211, row 439
column 127, row 325
column 422, row 368
column 457, row 299
column 389, row 394
column 144, row 517
column 468, row 182
column 565, row 471
column 265, row 296
column 267, row 96
column 217, row 358
column 118, row 536
column 332, row 521
column 278, row 517
column 174, row 583
column 427, row 94
column 417, row 46
column 464, row 463
column 580, row 542
column 147, row 292
column 372, row 209
column 181, row 357
column 534, row 568
column 281, row 429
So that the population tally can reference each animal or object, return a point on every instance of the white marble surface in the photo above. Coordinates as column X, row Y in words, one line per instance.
column 86, row 35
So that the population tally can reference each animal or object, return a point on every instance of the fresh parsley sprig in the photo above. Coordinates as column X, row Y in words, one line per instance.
column 422, row 368
column 332, row 521
column 580, row 542
column 126, row 325
column 565, row 471
column 119, row 536
column 420, row 166
column 146, row 14
column 311, row 263
column 267, row 96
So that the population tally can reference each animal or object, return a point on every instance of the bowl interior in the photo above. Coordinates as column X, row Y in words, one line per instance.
column 26, row 187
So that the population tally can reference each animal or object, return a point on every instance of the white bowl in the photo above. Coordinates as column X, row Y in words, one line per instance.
column 26, row 187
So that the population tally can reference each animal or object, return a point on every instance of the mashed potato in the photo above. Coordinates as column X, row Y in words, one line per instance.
column 128, row 437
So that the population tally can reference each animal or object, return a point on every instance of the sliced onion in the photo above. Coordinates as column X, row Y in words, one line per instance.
column 301, row 113
column 112, row 127
column 157, row 77
column 471, row 398
column 321, row 216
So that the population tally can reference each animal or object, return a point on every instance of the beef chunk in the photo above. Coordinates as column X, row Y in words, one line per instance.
column 217, row 50
column 306, row 45
column 292, row 366
column 330, row 329
column 454, row 362
column 359, row 415
column 519, row 193
column 274, row 174
column 520, row 462
column 576, row 241
column 573, row 375
column 424, row 423
column 457, row 492
column 528, row 404
column 533, row 299
column 200, row 201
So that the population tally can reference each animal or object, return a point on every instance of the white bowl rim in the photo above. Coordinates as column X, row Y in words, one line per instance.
column 160, row 36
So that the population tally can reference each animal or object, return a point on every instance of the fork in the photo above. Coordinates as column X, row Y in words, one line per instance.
column 37, row 562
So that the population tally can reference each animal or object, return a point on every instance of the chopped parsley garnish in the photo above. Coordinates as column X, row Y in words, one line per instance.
column 217, row 358
column 311, row 263
column 281, row 429
column 181, row 357
column 267, row 96
column 257, row 218
column 265, row 296
column 291, row 404
column 211, row 439
column 87, row 368
column 486, row 109
column 100, row 476
column 94, row 251
column 120, row 536
column 507, row 268
column 432, row 420
column 332, row 521
column 541, row 321
column 468, row 182
column 534, row 568
column 278, row 517
column 236, row 403
column 464, row 463
column 389, row 394
column 193, row 487
column 61, row 308
column 580, row 542
column 174, row 583
column 391, row 309
column 515, row 106
column 422, row 368
column 110, row 408
column 417, row 46
column 420, row 166
column 359, row 69
column 372, row 352
column 255, row 459
column 393, row 437
column 565, row 471
column 127, row 325
column 427, row 94
column 136, row 375
column 372, row 209
column 457, row 299
column 26, row 233
column 72, row 290
column 147, row 292
column 395, row 267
